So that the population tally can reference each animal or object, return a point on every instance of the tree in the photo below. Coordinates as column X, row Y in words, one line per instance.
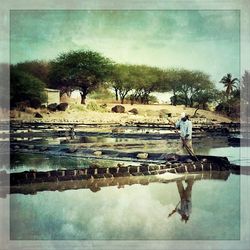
column 203, row 97
column 80, row 70
column 229, row 83
column 144, row 80
column 121, row 81
column 192, row 82
column 38, row 69
column 170, row 81
column 25, row 88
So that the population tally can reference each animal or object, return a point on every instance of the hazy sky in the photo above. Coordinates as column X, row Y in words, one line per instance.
column 200, row 40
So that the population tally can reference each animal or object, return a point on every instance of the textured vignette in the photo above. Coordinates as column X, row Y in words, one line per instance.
column 146, row 245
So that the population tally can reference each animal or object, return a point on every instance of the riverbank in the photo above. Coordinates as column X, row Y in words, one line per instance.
column 98, row 114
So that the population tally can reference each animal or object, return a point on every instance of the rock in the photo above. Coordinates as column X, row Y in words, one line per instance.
column 97, row 153
column 72, row 150
column 134, row 111
column 171, row 157
column 62, row 106
column 120, row 165
column 43, row 149
column 38, row 115
column 164, row 113
column 118, row 109
column 52, row 107
column 142, row 156
column 31, row 147
column 16, row 147
column 95, row 165
column 118, row 130
column 104, row 106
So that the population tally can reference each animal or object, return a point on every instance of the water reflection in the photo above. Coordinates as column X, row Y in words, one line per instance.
column 184, row 206
column 138, row 211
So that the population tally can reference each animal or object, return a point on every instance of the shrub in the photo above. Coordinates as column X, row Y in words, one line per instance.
column 26, row 88
column 93, row 106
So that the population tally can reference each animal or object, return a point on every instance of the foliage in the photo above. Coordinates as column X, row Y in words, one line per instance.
column 80, row 70
column 25, row 88
column 93, row 106
column 170, row 81
column 229, row 83
column 38, row 69
column 230, row 106
column 103, row 93
column 138, row 80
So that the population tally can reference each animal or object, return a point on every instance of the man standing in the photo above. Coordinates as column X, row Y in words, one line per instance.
column 185, row 126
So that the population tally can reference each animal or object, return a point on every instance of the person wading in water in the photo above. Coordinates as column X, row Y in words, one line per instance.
column 185, row 126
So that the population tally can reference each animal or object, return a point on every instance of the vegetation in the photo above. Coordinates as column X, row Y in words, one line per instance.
column 38, row 69
column 79, row 70
column 25, row 88
column 229, row 83
column 91, row 73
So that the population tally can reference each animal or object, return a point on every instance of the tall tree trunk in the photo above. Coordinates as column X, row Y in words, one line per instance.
column 186, row 100
column 191, row 102
column 116, row 95
column 83, row 93
column 174, row 98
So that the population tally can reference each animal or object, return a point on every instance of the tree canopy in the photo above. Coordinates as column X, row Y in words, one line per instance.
column 79, row 70
column 25, row 88
column 229, row 83
column 38, row 69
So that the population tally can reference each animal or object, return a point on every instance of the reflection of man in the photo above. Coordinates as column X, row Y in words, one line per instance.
column 185, row 126
column 184, row 207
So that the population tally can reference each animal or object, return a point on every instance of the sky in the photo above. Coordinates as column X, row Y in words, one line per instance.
column 197, row 40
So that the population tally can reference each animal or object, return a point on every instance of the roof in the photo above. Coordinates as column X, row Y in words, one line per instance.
column 52, row 90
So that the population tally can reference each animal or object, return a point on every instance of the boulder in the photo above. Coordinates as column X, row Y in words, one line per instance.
column 134, row 111
column 42, row 149
column 118, row 109
column 52, row 107
column 38, row 115
column 72, row 150
column 171, row 157
column 97, row 153
column 142, row 156
column 62, row 106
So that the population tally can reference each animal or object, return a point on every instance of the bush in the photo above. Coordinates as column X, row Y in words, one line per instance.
column 230, row 109
column 26, row 88
column 93, row 106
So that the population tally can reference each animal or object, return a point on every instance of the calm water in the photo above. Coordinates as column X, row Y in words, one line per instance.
column 131, row 212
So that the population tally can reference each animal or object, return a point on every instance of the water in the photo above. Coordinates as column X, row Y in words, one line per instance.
column 133, row 212
column 129, row 212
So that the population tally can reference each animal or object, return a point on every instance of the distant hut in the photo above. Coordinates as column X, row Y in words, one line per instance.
column 53, row 95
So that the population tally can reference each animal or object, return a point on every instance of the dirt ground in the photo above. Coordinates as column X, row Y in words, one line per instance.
column 146, row 113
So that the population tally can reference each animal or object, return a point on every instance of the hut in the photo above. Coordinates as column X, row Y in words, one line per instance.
column 53, row 95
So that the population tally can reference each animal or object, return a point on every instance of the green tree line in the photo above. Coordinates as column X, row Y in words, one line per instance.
column 86, row 71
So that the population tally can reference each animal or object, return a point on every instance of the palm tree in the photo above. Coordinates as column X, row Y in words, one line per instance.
column 229, row 83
